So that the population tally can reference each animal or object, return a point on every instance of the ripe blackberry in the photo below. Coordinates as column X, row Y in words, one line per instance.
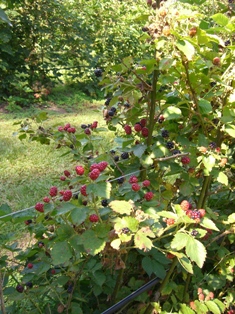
column 125, row 230
column 29, row 284
column 19, row 288
column 227, row 42
column 194, row 233
column 84, row 126
column 112, row 151
column 170, row 145
column 98, row 72
column 104, row 202
column 113, row 109
column 212, row 145
column 116, row 158
column 107, row 101
column 111, row 113
column 212, row 84
column 176, row 152
column 125, row 155
column 120, row 180
column 165, row 133
column 70, row 288
column 127, row 105
column 28, row 222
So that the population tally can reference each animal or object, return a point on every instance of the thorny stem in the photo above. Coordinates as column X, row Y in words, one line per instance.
column 152, row 107
column 118, row 282
column 203, row 195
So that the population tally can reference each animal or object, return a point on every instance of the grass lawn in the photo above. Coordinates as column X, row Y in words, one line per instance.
column 29, row 169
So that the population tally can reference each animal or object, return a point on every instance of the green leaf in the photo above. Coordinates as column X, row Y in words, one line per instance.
column 222, row 178
column 220, row 305
column 61, row 253
column 220, row 19
column 127, row 222
column 4, row 17
column 142, row 242
column 151, row 266
column 5, row 209
column 165, row 63
column 172, row 113
column 63, row 208
column 92, row 244
column 231, row 218
column 196, row 251
column 79, row 215
column 200, row 307
column 180, row 241
column 102, row 189
column 139, row 150
column 230, row 129
column 204, row 106
column 208, row 223
column 185, row 263
column 167, row 214
column 121, row 207
column 212, row 307
column 184, row 309
column 186, row 47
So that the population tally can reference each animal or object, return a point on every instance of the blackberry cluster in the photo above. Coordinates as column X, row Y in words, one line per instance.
column 212, row 145
column 104, row 202
column 98, row 72
column 165, row 133
column 125, row 155
column 170, row 145
column 107, row 101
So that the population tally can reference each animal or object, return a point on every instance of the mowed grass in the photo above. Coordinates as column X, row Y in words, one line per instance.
column 29, row 169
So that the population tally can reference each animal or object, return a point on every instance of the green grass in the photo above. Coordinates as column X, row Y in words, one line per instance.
column 28, row 169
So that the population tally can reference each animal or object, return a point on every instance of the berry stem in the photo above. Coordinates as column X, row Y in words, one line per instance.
column 205, row 187
column 152, row 107
column 188, row 279
column 3, row 309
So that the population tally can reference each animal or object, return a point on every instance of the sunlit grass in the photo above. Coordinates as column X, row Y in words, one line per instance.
column 28, row 169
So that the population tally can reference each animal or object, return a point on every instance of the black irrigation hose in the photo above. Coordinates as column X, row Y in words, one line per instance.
column 131, row 296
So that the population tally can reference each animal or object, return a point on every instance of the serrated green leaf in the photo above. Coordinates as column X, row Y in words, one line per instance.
column 185, row 263
column 64, row 208
column 166, row 214
column 220, row 305
column 230, row 129
column 220, row 19
column 92, row 244
column 196, row 251
column 102, row 189
column 200, row 307
column 139, row 150
column 186, row 47
column 142, row 242
column 79, row 215
column 204, row 106
column 172, row 112
column 180, row 241
column 151, row 266
column 212, row 307
column 208, row 223
column 61, row 253
column 121, row 207
column 222, row 178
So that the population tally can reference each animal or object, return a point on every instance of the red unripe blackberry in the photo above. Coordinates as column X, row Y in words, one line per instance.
column 30, row 265
column 71, row 130
column 189, row 213
column 143, row 122
column 39, row 207
column 146, row 183
column 94, row 125
column 148, row 196
column 94, row 174
column 135, row 187
column 127, row 129
column 60, row 128
column 102, row 165
column 133, row 179
column 83, row 190
column 46, row 199
column 67, row 126
column 67, row 173
column 161, row 119
column 201, row 297
column 53, row 191
column 185, row 205
column 170, row 255
column 93, row 218
column 62, row 178
column 67, row 195
column 170, row 221
column 185, row 160
column 145, row 132
column 216, row 61
column 53, row 271
column 137, row 127
column 94, row 166
column 202, row 212
column 79, row 170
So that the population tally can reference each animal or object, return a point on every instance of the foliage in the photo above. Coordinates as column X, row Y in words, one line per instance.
column 160, row 202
